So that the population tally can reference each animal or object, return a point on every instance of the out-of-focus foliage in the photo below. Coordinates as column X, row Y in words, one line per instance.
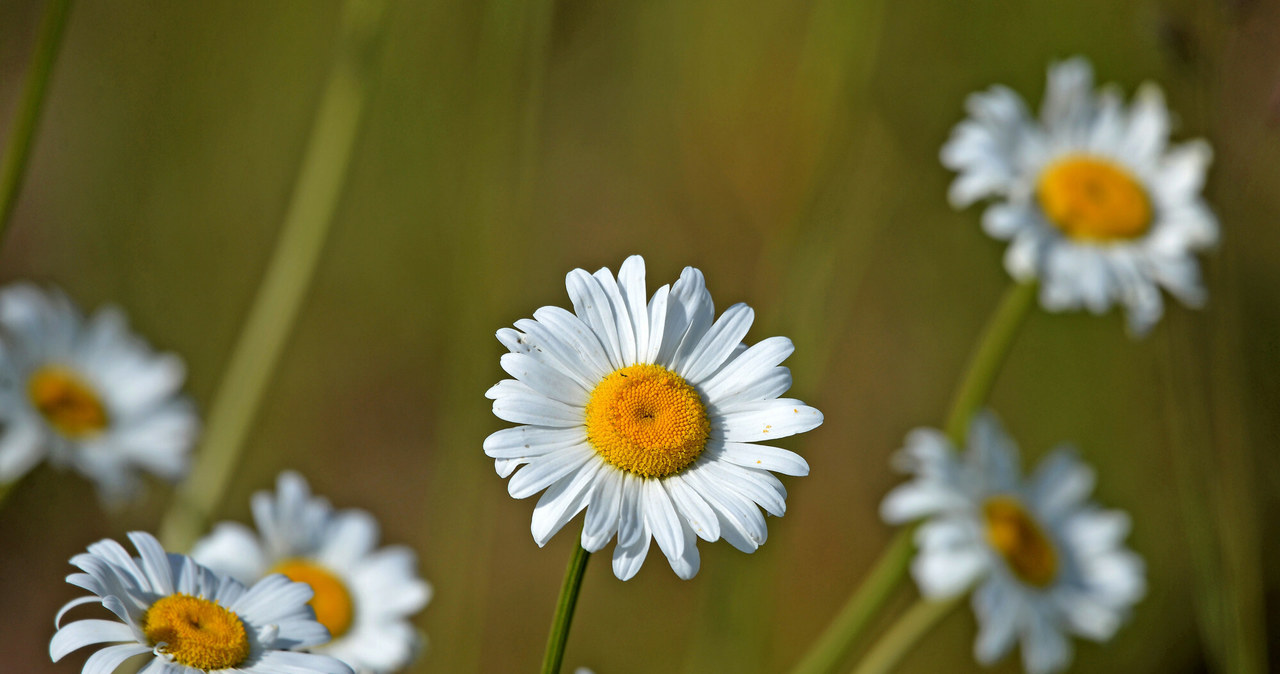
column 787, row 149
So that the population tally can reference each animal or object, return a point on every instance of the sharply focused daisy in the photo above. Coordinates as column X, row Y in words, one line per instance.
column 88, row 394
column 645, row 412
column 187, row 618
column 1095, row 201
column 364, row 596
column 1049, row 561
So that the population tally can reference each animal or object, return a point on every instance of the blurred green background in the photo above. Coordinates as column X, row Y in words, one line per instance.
column 788, row 149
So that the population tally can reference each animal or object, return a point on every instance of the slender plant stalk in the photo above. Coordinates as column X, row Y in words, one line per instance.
column 564, row 610
column 915, row 623
column 826, row 654
column 306, row 224
column 889, row 572
column 988, row 357
column 14, row 169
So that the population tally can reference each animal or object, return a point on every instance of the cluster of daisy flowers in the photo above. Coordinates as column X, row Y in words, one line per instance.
column 654, row 417
column 308, row 591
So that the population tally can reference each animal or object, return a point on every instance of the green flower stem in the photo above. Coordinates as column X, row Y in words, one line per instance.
column 14, row 169
column 988, row 357
column 564, row 611
column 890, row 571
column 310, row 212
column 826, row 654
column 915, row 623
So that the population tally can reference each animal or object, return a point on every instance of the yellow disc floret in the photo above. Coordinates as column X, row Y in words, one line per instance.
column 196, row 632
column 1019, row 539
column 69, row 404
column 331, row 602
column 1093, row 199
column 647, row 420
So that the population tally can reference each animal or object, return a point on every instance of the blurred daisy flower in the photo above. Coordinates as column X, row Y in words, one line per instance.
column 1049, row 562
column 88, row 394
column 644, row 412
column 1096, row 202
column 363, row 595
column 189, row 619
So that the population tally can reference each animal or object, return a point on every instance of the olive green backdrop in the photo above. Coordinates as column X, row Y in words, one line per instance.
column 788, row 149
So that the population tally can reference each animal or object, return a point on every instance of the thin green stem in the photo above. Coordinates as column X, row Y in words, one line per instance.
column 310, row 212
column 826, row 654
column 895, row 643
column 564, row 611
column 988, row 357
column 14, row 169
column 889, row 572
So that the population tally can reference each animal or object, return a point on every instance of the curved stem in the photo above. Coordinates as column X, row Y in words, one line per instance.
column 14, row 169
column 984, row 364
column 988, row 357
column 830, row 648
column 564, row 611
column 306, row 224
column 895, row 643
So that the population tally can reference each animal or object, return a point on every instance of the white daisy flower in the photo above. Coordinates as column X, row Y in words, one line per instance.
column 191, row 620
column 1049, row 562
column 646, row 415
column 1096, row 202
column 364, row 596
column 88, row 394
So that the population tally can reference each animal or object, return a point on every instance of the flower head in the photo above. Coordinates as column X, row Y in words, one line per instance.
column 645, row 412
column 88, row 394
column 190, row 620
column 1048, row 561
column 1094, row 200
column 363, row 595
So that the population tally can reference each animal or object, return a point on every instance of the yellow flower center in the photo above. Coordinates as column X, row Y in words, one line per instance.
column 67, row 402
column 647, row 420
column 331, row 601
column 196, row 632
column 1093, row 199
column 1020, row 541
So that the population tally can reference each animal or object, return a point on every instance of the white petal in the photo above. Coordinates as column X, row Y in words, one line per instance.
column 701, row 361
column 603, row 513
column 519, row 404
column 631, row 283
column 918, row 499
column 999, row 613
column 280, row 662
column 631, row 513
column 690, row 311
column 562, row 501
column 661, row 519
column 106, row 661
column 627, row 559
column 1044, row 648
column 544, row 379
column 563, row 337
column 764, row 457
column 1060, row 483
column 524, row 442
column 592, row 306
column 83, row 633
column 626, row 329
column 768, row 420
column 657, row 311
column 544, row 470
column 21, row 448
column 699, row 515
